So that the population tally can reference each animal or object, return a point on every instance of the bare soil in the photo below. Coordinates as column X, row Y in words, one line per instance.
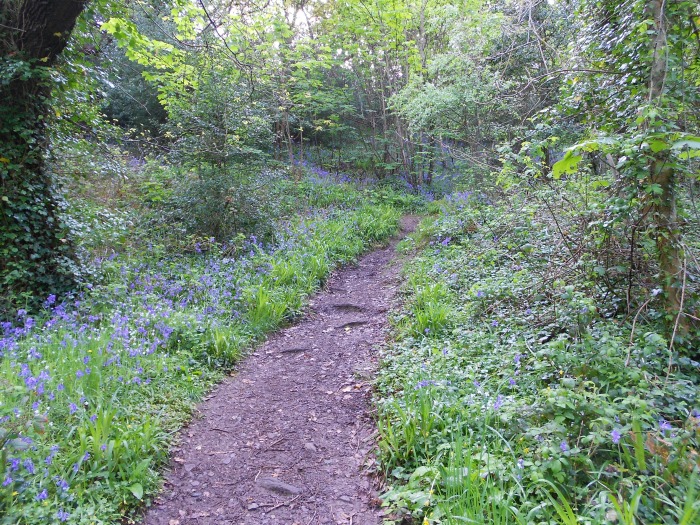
column 290, row 439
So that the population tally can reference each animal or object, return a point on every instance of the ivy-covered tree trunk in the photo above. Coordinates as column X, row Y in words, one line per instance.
column 36, row 258
column 668, row 241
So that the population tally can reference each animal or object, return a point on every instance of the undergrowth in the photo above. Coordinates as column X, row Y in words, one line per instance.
column 515, row 393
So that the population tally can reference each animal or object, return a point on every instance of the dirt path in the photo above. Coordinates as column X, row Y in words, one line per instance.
column 286, row 439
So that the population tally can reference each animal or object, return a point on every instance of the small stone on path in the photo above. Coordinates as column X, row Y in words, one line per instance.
column 278, row 486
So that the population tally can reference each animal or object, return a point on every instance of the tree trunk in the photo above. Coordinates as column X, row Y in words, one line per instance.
column 36, row 258
column 668, row 241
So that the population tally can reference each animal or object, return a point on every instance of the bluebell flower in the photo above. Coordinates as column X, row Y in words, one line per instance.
column 499, row 402
column 61, row 483
column 29, row 465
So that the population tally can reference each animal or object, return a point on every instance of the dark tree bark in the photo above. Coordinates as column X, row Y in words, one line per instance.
column 36, row 258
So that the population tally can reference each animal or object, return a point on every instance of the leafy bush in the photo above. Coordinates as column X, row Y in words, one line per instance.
column 221, row 204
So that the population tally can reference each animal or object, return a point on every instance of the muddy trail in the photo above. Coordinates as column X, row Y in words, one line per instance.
column 288, row 438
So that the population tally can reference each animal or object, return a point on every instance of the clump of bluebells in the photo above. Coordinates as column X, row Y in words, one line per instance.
column 93, row 387
column 528, row 399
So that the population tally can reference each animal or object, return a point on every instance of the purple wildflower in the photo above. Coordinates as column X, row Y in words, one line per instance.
column 499, row 402
column 615, row 436
column 29, row 465
column 61, row 483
